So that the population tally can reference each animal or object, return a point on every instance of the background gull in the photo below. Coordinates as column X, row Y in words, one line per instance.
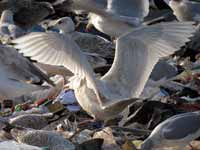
column 177, row 131
column 27, row 12
column 17, row 74
column 136, row 54
column 116, row 17
column 47, row 93
column 129, row 8
column 185, row 10
column 8, row 29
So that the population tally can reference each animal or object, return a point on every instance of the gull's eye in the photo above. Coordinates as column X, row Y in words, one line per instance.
column 60, row 22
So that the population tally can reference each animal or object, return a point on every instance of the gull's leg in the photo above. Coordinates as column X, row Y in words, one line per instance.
column 113, row 39
column 192, row 148
column 89, row 27
column 99, row 99
column 90, row 123
column 86, row 121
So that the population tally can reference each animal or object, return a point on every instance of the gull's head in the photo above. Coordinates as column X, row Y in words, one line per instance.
column 64, row 24
column 147, row 145
column 7, row 16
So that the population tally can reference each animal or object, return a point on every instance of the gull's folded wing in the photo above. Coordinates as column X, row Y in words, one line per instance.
column 131, row 8
column 178, row 128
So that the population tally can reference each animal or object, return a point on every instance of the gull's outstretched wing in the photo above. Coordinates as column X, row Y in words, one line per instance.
column 56, row 49
column 138, row 51
column 130, row 8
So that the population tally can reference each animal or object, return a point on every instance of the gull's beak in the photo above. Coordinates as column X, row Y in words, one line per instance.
column 52, row 23
column 51, row 26
column 167, row 1
column 89, row 27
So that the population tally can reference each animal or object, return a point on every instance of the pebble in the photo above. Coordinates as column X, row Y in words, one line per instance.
column 42, row 138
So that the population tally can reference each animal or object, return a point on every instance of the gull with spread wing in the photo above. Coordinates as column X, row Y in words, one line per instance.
column 136, row 54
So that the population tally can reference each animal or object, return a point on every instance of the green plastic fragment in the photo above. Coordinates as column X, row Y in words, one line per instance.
column 18, row 108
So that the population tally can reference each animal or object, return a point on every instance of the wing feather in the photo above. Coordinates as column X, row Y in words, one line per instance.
column 57, row 49
column 138, row 52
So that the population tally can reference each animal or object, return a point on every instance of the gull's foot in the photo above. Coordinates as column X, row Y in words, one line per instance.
column 86, row 122
column 89, row 123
